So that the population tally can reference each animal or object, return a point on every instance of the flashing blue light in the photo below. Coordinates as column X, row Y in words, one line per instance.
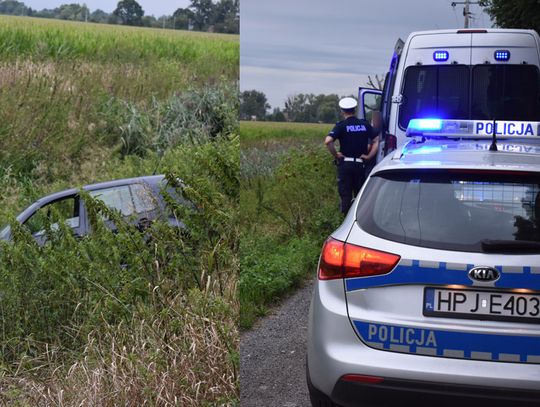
column 428, row 150
column 425, row 124
column 502, row 55
column 440, row 56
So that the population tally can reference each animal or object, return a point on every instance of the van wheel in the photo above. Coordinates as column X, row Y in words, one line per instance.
column 317, row 397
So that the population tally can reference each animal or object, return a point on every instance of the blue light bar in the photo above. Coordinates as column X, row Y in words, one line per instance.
column 501, row 55
column 425, row 124
column 450, row 128
column 440, row 56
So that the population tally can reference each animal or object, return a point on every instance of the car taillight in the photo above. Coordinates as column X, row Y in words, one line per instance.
column 345, row 260
column 358, row 378
column 390, row 143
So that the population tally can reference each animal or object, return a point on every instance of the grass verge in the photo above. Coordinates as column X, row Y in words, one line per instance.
column 288, row 207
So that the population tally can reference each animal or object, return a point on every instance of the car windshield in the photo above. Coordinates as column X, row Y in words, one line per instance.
column 482, row 92
column 452, row 210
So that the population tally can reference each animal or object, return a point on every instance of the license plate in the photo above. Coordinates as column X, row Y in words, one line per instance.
column 503, row 306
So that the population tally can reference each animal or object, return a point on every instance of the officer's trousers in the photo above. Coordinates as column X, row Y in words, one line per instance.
column 350, row 177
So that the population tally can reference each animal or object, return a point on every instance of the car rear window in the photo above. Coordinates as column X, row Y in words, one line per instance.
column 451, row 210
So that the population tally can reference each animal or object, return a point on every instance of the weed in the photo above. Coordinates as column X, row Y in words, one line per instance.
column 288, row 204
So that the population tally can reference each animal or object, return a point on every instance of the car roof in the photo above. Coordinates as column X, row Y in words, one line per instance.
column 464, row 154
column 150, row 179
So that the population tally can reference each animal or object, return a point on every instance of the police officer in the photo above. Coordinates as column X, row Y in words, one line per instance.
column 358, row 143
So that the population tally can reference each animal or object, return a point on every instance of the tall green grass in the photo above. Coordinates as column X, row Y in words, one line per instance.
column 25, row 37
column 288, row 206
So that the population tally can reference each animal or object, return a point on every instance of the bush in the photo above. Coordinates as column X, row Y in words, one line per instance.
column 286, row 216
column 193, row 116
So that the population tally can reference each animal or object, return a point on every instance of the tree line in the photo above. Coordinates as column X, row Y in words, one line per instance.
column 307, row 108
column 201, row 15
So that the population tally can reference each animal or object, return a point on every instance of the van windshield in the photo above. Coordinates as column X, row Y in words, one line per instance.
column 481, row 92
column 452, row 210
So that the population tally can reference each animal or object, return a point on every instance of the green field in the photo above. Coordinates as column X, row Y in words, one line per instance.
column 288, row 206
column 267, row 131
column 83, row 103
column 47, row 38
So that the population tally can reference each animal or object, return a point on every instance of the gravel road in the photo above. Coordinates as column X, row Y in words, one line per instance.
column 272, row 356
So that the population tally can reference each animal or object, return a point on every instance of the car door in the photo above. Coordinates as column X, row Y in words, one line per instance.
column 50, row 213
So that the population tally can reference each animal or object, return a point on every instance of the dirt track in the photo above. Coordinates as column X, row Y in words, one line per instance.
column 272, row 356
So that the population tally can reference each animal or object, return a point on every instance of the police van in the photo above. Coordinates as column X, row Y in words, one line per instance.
column 468, row 74
column 428, row 294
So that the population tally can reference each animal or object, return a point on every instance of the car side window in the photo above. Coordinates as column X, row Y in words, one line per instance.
column 127, row 199
column 63, row 210
column 143, row 198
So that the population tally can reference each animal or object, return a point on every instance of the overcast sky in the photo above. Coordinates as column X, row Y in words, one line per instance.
column 331, row 46
column 150, row 7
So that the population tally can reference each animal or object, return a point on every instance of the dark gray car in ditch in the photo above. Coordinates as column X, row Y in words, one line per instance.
column 141, row 200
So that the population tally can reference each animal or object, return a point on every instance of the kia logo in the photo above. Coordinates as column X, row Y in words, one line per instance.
column 484, row 274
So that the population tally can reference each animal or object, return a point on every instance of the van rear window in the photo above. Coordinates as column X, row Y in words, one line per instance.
column 483, row 92
column 451, row 210
column 435, row 91
column 506, row 92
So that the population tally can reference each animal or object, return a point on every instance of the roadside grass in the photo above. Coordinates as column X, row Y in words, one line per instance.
column 287, row 206
column 117, row 319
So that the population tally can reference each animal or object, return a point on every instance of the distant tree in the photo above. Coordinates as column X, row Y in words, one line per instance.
column 253, row 103
column 296, row 108
column 514, row 13
column 328, row 109
column 73, row 12
column 226, row 18
column 276, row 115
column 375, row 83
column 129, row 12
column 99, row 16
column 149, row 21
column 183, row 18
column 202, row 14
column 46, row 13
column 310, row 108
column 14, row 8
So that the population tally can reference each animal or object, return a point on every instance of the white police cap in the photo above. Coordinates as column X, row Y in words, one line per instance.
column 348, row 103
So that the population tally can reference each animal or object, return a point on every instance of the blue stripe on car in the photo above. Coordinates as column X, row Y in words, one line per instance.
column 412, row 272
column 463, row 345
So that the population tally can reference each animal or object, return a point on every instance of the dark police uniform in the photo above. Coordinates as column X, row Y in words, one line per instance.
column 354, row 135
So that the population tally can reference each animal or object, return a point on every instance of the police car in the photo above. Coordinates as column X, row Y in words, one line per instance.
column 429, row 292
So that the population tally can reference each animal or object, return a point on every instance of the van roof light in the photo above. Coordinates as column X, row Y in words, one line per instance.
column 440, row 56
column 501, row 55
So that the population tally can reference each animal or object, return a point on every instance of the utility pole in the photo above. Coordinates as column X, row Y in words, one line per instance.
column 466, row 12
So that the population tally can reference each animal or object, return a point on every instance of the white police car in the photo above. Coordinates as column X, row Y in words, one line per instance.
column 429, row 292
